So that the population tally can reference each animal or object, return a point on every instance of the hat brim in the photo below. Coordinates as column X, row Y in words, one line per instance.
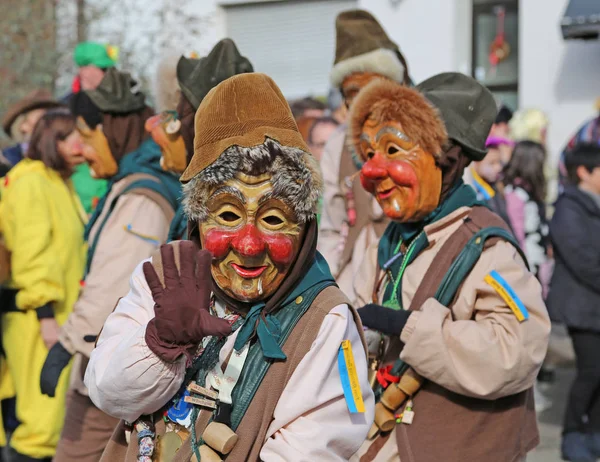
column 383, row 61
column 185, row 68
column 26, row 106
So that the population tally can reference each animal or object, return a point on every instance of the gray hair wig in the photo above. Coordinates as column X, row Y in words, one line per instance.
column 296, row 178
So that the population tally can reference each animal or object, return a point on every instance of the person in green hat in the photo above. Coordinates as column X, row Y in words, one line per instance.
column 457, row 321
column 92, row 60
column 351, row 220
column 172, row 130
column 131, row 221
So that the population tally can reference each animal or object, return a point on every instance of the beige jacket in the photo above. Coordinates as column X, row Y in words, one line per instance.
column 311, row 419
column 478, row 349
column 136, row 227
column 357, row 277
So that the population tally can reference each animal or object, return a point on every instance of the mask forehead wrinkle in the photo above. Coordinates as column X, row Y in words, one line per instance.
column 230, row 190
column 392, row 130
column 252, row 191
column 365, row 137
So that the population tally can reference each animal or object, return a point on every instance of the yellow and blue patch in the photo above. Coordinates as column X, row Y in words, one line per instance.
column 349, row 377
column 482, row 186
column 507, row 294
column 144, row 237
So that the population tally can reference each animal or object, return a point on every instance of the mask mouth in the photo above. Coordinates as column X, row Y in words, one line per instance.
column 248, row 272
column 385, row 193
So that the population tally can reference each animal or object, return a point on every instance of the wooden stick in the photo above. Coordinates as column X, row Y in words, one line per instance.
column 193, row 387
column 200, row 402
column 206, row 455
column 220, row 437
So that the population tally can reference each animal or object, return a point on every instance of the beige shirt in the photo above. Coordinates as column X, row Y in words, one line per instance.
column 357, row 277
column 479, row 348
column 311, row 420
column 136, row 227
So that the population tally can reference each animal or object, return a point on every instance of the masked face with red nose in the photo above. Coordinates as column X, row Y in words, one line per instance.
column 402, row 176
column 254, row 237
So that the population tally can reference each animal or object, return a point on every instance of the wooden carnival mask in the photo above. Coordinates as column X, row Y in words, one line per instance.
column 165, row 129
column 254, row 237
column 403, row 177
column 96, row 150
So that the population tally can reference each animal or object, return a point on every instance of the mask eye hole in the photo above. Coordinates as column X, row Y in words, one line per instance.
column 229, row 216
column 273, row 220
column 392, row 150
column 370, row 154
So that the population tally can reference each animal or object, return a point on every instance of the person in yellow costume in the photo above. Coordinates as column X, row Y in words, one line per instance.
column 42, row 222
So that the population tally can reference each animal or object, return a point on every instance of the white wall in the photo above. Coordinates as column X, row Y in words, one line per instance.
column 425, row 30
column 560, row 77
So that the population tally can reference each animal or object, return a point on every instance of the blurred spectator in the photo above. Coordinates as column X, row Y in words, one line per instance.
column 574, row 297
column 529, row 124
column 21, row 117
column 485, row 176
column 589, row 132
column 501, row 128
column 337, row 107
column 92, row 59
column 307, row 107
column 316, row 132
column 42, row 224
column 525, row 192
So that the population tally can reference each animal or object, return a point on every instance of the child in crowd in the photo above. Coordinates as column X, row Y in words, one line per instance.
column 574, row 297
column 484, row 176
column 524, row 193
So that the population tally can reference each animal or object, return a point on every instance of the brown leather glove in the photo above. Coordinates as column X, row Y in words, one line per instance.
column 182, row 318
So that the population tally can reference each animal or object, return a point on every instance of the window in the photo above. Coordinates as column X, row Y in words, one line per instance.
column 496, row 29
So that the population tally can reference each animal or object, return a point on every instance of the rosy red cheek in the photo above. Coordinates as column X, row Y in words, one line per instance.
column 401, row 173
column 218, row 242
column 281, row 248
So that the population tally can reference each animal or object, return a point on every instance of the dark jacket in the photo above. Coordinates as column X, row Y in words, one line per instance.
column 574, row 297
column 13, row 154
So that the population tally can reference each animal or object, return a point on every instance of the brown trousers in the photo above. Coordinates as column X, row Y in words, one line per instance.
column 86, row 431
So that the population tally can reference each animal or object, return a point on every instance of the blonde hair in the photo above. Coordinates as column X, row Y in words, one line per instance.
column 528, row 125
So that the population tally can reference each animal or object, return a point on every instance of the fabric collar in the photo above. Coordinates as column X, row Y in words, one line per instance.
column 267, row 326
column 460, row 196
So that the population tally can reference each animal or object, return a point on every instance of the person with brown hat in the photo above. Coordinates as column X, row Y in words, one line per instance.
column 463, row 325
column 246, row 347
column 130, row 222
column 173, row 128
column 20, row 119
column 351, row 220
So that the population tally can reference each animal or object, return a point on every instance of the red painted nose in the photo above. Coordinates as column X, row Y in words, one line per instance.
column 375, row 168
column 248, row 242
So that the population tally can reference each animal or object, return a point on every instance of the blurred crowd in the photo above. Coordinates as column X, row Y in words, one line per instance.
column 90, row 188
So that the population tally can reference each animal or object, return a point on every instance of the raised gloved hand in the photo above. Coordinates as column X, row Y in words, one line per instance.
column 57, row 359
column 382, row 319
column 182, row 318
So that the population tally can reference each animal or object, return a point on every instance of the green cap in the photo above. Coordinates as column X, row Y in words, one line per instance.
column 115, row 95
column 95, row 54
column 468, row 109
column 198, row 76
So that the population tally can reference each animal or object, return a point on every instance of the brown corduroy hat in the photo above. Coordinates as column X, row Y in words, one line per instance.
column 243, row 110
column 363, row 46
column 37, row 99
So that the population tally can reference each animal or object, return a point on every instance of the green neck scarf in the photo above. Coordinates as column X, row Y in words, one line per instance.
column 392, row 260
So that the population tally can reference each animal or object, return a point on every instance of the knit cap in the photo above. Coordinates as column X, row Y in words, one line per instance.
column 363, row 46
